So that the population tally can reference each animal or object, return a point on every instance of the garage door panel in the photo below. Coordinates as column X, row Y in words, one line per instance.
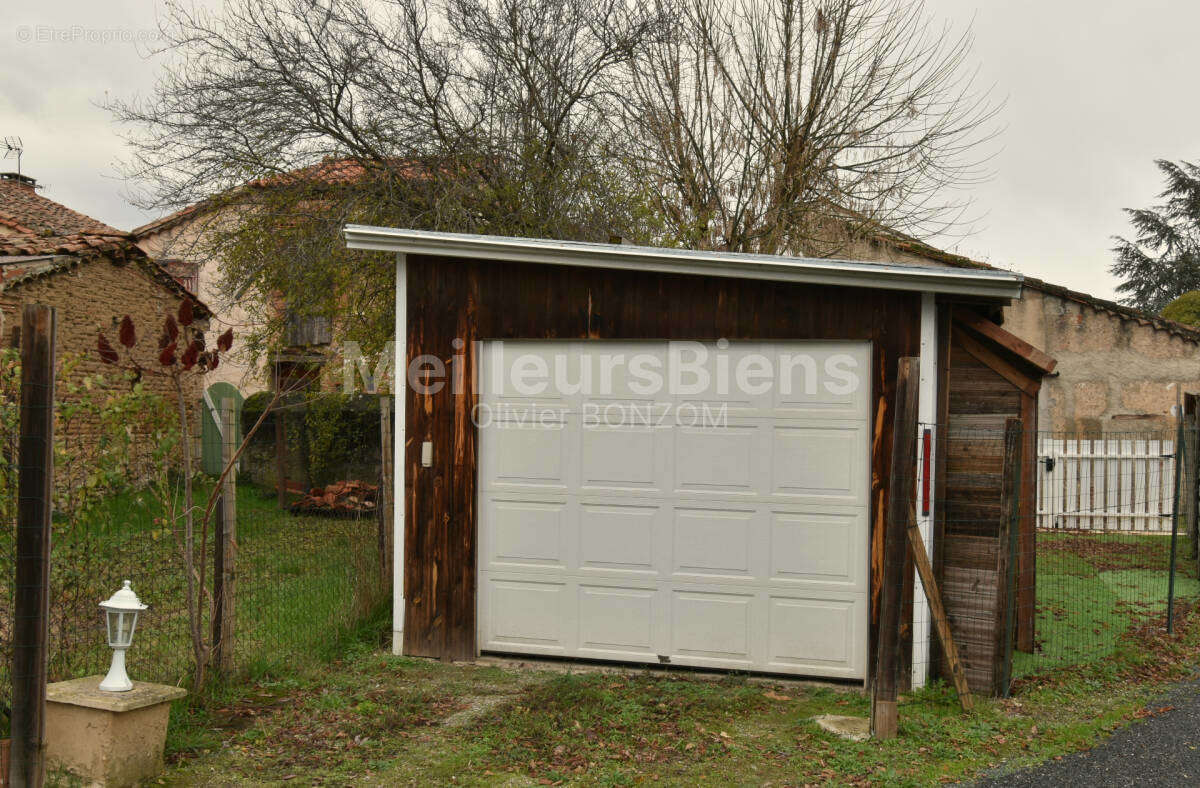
column 713, row 382
column 818, row 548
column 526, row 455
column 818, row 462
column 720, row 460
column 738, row 543
column 712, row 625
column 712, row 543
column 617, row 622
column 619, row 538
column 527, row 613
column 623, row 372
column 833, row 382
column 527, row 533
column 523, row 373
column 622, row 458
column 816, row 634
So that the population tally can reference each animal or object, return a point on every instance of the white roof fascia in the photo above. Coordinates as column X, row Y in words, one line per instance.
column 889, row 276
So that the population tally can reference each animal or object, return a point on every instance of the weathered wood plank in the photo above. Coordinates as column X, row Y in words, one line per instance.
column 980, row 403
column 1027, row 523
column 31, row 576
column 1006, row 561
column 938, row 613
column 1013, row 344
column 971, row 552
column 901, row 511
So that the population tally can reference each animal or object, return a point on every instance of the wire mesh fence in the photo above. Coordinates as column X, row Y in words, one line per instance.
column 303, row 579
column 1061, row 556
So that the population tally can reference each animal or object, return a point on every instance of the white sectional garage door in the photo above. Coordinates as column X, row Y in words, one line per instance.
column 617, row 521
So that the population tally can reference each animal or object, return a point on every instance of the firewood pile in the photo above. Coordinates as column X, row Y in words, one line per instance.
column 342, row 498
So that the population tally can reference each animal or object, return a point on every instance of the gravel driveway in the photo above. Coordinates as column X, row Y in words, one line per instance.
column 1163, row 749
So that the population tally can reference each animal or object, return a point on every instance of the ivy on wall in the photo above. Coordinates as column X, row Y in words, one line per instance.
column 330, row 437
column 341, row 429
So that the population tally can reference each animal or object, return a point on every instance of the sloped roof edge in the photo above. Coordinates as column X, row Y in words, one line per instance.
column 851, row 273
column 67, row 252
column 913, row 246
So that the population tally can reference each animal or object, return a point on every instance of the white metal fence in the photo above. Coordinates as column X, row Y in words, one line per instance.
column 1109, row 484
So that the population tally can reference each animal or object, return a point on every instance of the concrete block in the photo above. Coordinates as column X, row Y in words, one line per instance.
column 107, row 738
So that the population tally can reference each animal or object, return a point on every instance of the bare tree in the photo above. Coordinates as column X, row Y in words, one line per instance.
column 296, row 116
column 760, row 125
column 791, row 126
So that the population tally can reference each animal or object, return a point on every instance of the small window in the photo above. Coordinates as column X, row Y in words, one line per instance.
column 185, row 273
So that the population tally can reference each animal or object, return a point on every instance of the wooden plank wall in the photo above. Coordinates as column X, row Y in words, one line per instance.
column 478, row 300
column 971, row 541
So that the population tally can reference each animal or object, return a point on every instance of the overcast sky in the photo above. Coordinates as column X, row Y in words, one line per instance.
column 1095, row 91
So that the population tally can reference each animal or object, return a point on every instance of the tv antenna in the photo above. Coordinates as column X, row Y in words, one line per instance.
column 14, row 147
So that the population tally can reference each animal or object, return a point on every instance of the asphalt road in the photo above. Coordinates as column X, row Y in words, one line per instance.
column 1160, row 750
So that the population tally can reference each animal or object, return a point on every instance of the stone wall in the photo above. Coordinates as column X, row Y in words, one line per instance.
column 1114, row 374
column 93, row 297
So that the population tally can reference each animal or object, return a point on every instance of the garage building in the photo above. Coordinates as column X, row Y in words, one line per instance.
column 662, row 456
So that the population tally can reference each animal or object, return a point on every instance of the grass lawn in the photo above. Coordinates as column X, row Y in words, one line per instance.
column 301, row 581
column 1092, row 588
column 375, row 719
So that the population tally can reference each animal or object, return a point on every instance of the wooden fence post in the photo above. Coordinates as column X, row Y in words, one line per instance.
column 1007, row 548
column 280, row 445
column 218, row 580
column 35, row 486
column 385, row 490
column 901, row 510
column 228, row 543
column 1191, row 477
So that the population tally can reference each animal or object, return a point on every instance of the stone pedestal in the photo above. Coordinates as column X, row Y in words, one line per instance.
column 107, row 738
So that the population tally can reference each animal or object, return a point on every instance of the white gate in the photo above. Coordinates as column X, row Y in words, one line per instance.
column 1108, row 484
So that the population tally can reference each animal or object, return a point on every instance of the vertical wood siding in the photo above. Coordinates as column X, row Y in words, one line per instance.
column 478, row 300
column 973, row 547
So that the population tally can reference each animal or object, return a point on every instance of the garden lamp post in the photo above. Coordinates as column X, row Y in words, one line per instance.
column 121, row 614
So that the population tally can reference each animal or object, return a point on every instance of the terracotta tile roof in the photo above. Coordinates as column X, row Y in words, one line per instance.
column 24, row 258
column 75, row 243
column 24, row 210
column 327, row 172
column 14, row 225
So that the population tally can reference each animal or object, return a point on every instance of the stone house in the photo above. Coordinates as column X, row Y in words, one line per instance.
column 92, row 274
column 173, row 242
column 181, row 242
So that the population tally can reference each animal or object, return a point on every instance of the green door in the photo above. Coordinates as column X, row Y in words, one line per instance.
column 210, row 435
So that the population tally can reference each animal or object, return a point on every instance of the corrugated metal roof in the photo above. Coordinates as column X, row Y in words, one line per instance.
column 892, row 276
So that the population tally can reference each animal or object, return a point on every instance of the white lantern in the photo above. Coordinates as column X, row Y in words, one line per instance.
column 121, row 613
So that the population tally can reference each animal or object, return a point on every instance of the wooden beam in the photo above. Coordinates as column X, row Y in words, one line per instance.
column 1027, row 529
column 941, row 623
column 1003, row 368
column 280, row 445
column 901, row 514
column 31, row 593
column 227, row 546
column 1006, row 559
column 1010, row 342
